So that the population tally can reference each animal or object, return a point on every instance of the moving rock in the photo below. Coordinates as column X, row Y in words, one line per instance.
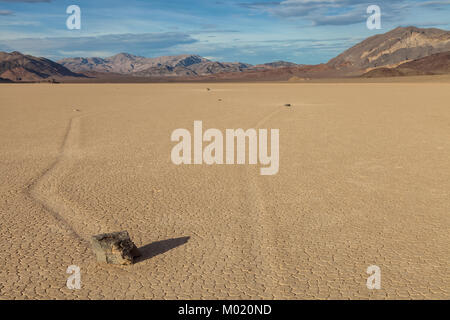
column 115, row 248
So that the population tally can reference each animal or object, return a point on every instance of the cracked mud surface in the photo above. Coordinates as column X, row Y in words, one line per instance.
column 364, row 179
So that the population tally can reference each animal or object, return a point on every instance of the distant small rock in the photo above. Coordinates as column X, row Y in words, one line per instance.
column 208, row 89
column 114, row 248
column 288, row 105
column 76, row 110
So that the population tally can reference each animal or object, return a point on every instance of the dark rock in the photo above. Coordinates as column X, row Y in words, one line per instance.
column 287, row 105
column 114, row 248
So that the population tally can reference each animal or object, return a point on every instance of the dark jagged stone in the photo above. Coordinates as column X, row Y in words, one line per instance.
column 114, row 248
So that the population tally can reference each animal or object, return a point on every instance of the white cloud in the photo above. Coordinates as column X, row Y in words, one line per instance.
column 145, row 43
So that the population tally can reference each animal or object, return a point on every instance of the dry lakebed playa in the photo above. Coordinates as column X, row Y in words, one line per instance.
column 364, row 179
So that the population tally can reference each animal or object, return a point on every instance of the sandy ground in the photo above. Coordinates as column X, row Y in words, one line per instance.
column 364, row 180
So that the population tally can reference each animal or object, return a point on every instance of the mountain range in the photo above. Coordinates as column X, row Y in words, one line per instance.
column 402, row 51
column 124, row 63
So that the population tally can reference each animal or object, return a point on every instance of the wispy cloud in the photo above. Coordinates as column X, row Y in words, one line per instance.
column 338, row 12
column 144, row 44
column 434, row 4
column 26, row 1
column 341, row 19
column 6, row 13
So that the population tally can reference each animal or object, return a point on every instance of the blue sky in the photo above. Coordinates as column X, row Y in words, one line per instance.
column 301, row 31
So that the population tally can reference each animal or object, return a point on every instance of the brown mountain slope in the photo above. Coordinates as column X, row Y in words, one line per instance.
column 18, row 67
column 2, row 80
column 438, row 63
column 275, row 65
column 392, row 48
column 273, row 74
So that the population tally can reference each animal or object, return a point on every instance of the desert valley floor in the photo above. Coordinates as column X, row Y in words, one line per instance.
column 364, row 180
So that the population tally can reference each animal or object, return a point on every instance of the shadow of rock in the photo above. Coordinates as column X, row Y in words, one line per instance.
column 159, row 247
